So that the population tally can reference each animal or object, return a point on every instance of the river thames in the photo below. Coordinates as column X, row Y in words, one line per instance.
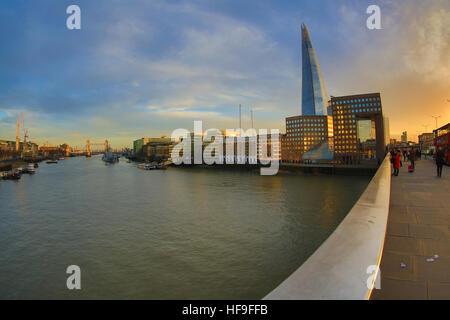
column 180, row 233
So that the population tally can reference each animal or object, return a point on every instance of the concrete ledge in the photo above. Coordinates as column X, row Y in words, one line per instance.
column 338, row 268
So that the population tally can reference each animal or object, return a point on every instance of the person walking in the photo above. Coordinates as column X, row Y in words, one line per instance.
column 397, row 162
column 392, row 152
column 412, row 157
column 439, row 161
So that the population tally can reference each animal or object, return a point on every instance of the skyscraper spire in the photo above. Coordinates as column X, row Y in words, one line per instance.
column 314, row 95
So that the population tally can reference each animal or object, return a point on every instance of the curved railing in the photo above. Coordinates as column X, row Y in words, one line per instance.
column 346, row 264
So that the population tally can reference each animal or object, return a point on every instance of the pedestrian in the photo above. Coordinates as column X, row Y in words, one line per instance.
column 439, row 161
column 392, row 159
column 412, row 158
column 397, row 163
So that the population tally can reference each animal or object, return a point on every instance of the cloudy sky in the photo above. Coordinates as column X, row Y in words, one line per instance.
column 144, row 68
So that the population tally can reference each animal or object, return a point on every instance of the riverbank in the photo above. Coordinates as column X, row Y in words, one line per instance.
column 299, row 169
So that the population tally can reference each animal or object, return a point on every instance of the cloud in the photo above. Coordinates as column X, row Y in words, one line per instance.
column 153, row 66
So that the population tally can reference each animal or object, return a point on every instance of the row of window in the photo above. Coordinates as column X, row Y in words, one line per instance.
column 306, row 130
column 356, row 100
column 305, row 120
column 297, row 125
column 363, row 109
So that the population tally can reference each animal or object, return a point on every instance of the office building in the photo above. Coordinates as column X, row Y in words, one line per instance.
column 404, row 137
column 314, row 96
column 359, row 133
column 305, row 133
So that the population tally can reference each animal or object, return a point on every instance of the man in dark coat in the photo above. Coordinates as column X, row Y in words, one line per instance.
column 439, row 161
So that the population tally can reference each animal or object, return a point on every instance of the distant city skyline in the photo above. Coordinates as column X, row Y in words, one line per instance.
column 145, row 68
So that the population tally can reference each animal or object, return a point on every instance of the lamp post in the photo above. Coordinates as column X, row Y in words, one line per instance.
column 435, row 118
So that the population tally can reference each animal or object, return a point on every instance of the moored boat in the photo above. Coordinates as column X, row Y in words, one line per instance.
column 146, row 166
column 29, row 169
column 51, row 161
column 110, row 157
column 12, row 176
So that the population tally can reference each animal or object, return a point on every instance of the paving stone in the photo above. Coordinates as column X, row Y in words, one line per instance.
column 415, row 195
column 437, row 270
column 441, row 247
column 406, row 245
column 391, row 266
column 402, row 217
column 428, row 210
column 398, row 229
column 393, row 289
column 439, row 290
column 433, row 219
column 429, row 231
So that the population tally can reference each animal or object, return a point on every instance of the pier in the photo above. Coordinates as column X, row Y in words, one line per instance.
column 418, row 229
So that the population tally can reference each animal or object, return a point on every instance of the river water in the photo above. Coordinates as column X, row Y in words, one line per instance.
column 175, row 234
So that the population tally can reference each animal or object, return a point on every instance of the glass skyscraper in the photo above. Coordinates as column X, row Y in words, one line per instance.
column 314, row 96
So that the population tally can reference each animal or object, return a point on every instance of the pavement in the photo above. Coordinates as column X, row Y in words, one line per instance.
column 418, row 229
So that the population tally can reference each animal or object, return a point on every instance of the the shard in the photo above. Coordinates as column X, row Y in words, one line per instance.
column 314, row 96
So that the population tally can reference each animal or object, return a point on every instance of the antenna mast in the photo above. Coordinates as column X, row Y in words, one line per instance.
column 240, row 122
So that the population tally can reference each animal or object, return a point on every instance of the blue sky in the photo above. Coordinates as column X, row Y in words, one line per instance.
column 144, row 68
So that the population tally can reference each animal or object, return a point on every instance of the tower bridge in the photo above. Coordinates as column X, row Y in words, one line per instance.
column 89, row 144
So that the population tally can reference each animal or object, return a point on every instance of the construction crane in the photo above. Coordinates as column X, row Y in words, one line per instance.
column 25, row 131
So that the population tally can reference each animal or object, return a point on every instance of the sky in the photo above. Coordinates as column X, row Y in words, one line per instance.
column 140, row 68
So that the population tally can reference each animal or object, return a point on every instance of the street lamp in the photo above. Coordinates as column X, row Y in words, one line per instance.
column 435, row 118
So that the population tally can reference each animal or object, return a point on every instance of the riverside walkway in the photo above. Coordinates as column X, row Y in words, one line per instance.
column 418, row 229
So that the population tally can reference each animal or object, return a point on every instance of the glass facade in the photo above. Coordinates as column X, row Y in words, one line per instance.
column 314, row 96
column 358, row 128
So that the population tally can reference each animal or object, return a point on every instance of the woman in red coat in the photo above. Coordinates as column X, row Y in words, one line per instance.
column 397, row 158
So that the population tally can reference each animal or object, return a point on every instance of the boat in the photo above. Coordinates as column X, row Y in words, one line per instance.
column 110, row 157
column 12, row 176
column 161, row 166
column 51, row 161
column 146, row 166
column 61, row 158
column 29, row 169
